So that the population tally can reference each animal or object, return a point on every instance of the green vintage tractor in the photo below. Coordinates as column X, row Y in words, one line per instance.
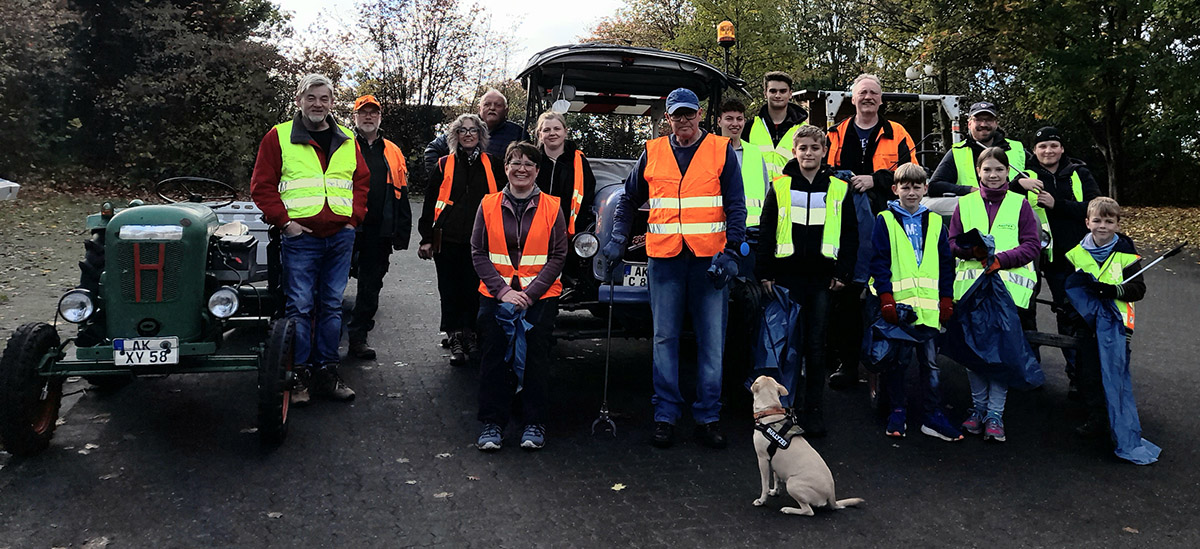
column 162, row 288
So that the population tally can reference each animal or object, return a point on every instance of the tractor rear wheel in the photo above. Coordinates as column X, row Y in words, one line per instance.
column 29, row 402
column 275, row 379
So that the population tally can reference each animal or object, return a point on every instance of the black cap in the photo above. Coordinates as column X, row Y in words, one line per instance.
column 983, row 106
column 1048, row 133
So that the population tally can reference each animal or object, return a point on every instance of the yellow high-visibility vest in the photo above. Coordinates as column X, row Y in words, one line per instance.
column 304, row 187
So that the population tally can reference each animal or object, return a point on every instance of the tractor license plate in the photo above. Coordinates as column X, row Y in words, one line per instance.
column 635, row 275
column 145, row 351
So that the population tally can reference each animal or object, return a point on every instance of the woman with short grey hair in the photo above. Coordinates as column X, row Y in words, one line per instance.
column 452, row 198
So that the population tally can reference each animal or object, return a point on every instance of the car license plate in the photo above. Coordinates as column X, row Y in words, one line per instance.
column 145, row 351
column 635, row 275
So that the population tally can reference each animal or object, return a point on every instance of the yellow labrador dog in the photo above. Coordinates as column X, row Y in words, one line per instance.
column 798, row 465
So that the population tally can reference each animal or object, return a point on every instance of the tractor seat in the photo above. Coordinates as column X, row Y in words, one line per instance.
column 233, row 228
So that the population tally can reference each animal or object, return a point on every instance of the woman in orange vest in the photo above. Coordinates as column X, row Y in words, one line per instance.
column 452, row 196
column 518, row 247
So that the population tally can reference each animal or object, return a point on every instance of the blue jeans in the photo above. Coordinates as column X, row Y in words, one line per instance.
column 931, row 390
column 987, row 395
column 316, row 271
column 677, row 285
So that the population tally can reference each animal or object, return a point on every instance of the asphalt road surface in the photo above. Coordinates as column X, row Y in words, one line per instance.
column 174, row 462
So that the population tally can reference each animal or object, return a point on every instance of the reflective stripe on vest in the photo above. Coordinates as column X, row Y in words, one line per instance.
column 1112, row 272
column 1043, row 217
column 443, row 198
column 304, row 187
column 1005, row 229
column 913, row 283
column 576, row 192
column 685, row 207
column 752, row 183
column 776, row 156
column 537, row 243
column 965, row 165
column 397, row 167
column 828, row 214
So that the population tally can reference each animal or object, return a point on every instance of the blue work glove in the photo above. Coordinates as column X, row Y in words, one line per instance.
column 611, row 255
column 723, row 269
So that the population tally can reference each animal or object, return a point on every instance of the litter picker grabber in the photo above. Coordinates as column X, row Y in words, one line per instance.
column 1174, row 251
column 604, row 419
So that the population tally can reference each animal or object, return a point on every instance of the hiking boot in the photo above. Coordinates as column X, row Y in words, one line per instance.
column 328, row 384
column 1094, row 427
column 896, row 425
column 974, row 423
column 298, row 396
column 534, row 437
column 664, row 435
column 360, row 349
column 709, row 435
column 490, row 437
column 813, row 423
column 845, row 377
column 470, row 344
column 937, row 426
column 993, row 429
column 458, row 349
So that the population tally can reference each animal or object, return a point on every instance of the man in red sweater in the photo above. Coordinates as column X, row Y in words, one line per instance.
column 311, row 182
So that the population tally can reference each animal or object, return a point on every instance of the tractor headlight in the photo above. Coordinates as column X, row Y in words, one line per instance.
column 76, row 306
column 151, row 232
column 586, row 245
column 223, row 303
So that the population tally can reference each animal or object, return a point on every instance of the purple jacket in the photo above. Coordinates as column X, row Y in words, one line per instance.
column 516, row 228
column 1029, row 231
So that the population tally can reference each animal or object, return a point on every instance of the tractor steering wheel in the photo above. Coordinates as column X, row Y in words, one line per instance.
column 177, row 186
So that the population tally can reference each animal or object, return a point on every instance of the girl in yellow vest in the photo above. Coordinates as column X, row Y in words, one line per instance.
column 452, row 197
column 518, row 248
column 1011, row 222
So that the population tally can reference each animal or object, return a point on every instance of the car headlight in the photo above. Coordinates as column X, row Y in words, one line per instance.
column 223, row 303
column 586, row 245
column 150, row 232
column 76, row 306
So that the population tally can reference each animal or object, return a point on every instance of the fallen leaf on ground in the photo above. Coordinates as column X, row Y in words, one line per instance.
column 395, row 395
column 110, row 476
column 444, row 455
column 1131, row 530
column 91, row 446
column 274, row 514
column 618, row 487
column 472, row 477
column 96, row 543
column 249, row 430
column 402, row 460
column 443, row 495
column 410, row 482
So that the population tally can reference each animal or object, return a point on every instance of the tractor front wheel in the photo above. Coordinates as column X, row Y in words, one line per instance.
column 275, row 380
column 29, row 402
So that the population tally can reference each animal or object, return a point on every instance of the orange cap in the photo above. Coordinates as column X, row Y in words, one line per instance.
column 366, row 100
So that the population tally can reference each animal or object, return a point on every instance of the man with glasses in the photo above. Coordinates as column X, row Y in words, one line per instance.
column 695, row 235
column 387, row 225
column 955, row 174
column 493, row 110
column 775, row 126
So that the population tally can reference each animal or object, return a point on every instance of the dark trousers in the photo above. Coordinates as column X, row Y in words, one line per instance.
column 1055, row 275
column 1088, row 377
column 374, row 257
column 846, row 327
column 458, row 286
column 925, row 353
column 498, row 381
column 814, row 298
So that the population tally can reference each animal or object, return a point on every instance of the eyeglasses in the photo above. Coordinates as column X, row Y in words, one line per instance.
column 364, row 113
column 461, row 131
column 526, row 164
column 682, row 117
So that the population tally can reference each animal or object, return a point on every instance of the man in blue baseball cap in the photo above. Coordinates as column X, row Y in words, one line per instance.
column 695, row 235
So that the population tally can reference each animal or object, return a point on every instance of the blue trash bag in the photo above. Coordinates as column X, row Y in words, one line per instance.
column 512, row 320
column 884, row 336
column 985, row 336
column 776, row 352
column 1102, row 316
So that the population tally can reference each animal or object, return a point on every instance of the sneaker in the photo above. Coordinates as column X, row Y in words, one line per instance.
column 937, row 426
column 458, row 349
column 360, row 349
column 709, row 435
column 489, row 437
column 329, row 384
column 896, row 426
column 664, row 435
column 993, row 429
column 533, row 438
column 298, row 396
column 974, row 423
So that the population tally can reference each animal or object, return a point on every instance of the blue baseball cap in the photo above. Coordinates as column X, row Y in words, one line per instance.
column 682, row 98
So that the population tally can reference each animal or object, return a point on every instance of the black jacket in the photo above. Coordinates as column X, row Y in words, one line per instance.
column 806, row 261
column 469, row 187
column 796, row 115
column 558, row 178
column 944, row 180
column 1067, row 216
column 387, row 216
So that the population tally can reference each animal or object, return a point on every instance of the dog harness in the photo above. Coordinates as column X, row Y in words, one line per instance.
column 779, row 437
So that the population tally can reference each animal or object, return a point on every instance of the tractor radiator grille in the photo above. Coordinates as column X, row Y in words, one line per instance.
column 149, row 271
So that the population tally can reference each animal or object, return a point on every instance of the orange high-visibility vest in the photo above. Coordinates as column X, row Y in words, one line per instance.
column 443, row 198
column 887, row 149
column 537, row 243
column 685, row 207
column 397, row 167
column 576, row 193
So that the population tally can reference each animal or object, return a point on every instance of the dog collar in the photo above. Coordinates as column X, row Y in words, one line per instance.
column 775, row 411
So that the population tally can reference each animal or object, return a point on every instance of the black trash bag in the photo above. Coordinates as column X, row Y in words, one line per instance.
column 985, row 335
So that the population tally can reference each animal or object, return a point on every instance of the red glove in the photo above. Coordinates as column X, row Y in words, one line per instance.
column 945, row 309
column 887, row 308
column 992, row 266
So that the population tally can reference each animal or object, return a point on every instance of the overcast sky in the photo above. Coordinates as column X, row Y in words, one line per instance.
column 540, row 23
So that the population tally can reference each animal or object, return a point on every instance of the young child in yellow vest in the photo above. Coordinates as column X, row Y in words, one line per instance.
column 912, row 268
column 1112, row 258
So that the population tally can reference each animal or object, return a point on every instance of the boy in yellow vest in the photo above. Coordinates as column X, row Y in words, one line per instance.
column 1111, row 258
column 912, row 265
